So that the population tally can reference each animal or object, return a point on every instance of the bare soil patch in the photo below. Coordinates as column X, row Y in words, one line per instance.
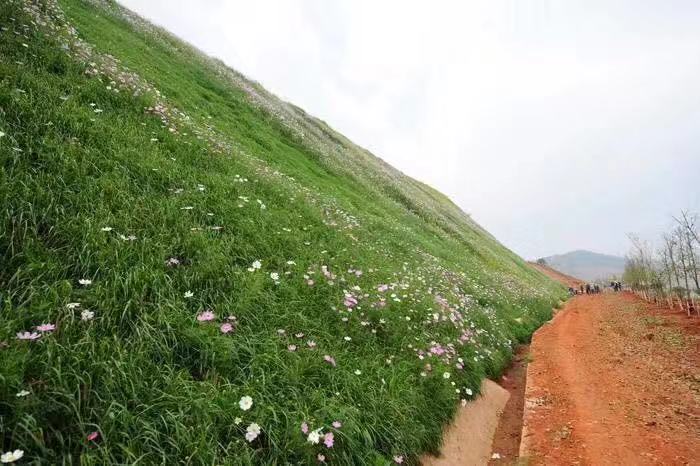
column 613, row 381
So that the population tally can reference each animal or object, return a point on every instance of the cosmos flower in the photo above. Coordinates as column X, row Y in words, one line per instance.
column 328, row 440
column 46, row 327
column 329, row 359
column 314, row 437
column 28, row 335
column 11, row 456
column 226, row 328
column 252, row 432
column 245, row 403
column 206, row 316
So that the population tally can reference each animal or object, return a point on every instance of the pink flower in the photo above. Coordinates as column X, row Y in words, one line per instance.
column 226, row 328
column 382, row 288
column 46, row 327
column 206, row 316
column 28, row 336
column 328, row 440
column 291, row 347
column 329, row 360
column 92, row 436
column 398, row 459
column 337, row 424
column 304, row 428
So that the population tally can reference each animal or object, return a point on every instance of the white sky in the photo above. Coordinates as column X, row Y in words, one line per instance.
column 558, row 125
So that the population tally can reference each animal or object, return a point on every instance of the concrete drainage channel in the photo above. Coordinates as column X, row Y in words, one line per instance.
column 488, row 430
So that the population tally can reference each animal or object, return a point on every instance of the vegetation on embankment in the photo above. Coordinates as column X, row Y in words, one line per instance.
column 174, row 239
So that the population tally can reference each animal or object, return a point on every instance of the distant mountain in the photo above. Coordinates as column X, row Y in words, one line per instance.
column 587, row 265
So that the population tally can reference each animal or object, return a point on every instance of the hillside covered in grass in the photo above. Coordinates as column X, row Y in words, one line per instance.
column 194, row 271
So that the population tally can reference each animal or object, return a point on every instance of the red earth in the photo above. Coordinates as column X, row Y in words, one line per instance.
column 613, row 380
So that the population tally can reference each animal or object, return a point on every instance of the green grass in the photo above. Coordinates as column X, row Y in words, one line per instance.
column 81, row 153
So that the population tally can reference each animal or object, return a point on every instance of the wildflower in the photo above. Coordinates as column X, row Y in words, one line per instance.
column 310, row 282
column 314, row 437
column 206, row 316
column 85, row 281
column 311, row 344
column 2, row 135
column 237, row 420
column 106, row 228
column 328, row 440
column 72, row 306
column 28, row 335
column 329, row 359
column 11, row 456
column 446, row 375
column 469, row 391
column 252, row 432
column 304, row 428
column 291, row 348
column 245, row 403
column 347, row 338
column 255, row 266
column 321, row 458
column 382, row 288
column 46, row 327
column 275, row 276
column 281, row 331
column 291, row 263
column 188, row 294
column 172, row 262
column 87, row 315
column 22, row 393
column 93, row 436
column 337, row 424
column 358, row 372
column 226, row 328
column 299, row 335
column 398, row 459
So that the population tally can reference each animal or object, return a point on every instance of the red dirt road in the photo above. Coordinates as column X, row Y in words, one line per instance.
column 613, row 381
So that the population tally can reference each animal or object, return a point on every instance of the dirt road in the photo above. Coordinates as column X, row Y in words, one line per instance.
column 613, row 381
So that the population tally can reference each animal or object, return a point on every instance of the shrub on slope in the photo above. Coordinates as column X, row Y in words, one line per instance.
column 171, row 245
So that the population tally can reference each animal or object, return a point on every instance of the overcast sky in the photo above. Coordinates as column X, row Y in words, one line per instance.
column 557, row 125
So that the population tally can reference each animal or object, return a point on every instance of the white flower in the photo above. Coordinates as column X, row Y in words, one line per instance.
column 275, row 276
column 188, row 294
column 11, row 456
column 468, row 391
column 106, row 228
column 237, row 420
column 22, row 393
column 85, row 281
column 87, row 314
column 255, row 266
column 245, row 403
column 358, row 372
column 252, row 432
column 72, row 305
column 314, row 436
column 446, row 375
column 2, row 134
column 291, row 263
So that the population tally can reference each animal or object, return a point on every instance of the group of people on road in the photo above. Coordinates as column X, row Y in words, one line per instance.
column 593, row 288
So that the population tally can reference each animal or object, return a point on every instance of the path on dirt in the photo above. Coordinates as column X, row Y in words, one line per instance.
column 613, row 381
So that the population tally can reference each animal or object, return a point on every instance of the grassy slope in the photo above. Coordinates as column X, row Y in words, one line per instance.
column 80, row 153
